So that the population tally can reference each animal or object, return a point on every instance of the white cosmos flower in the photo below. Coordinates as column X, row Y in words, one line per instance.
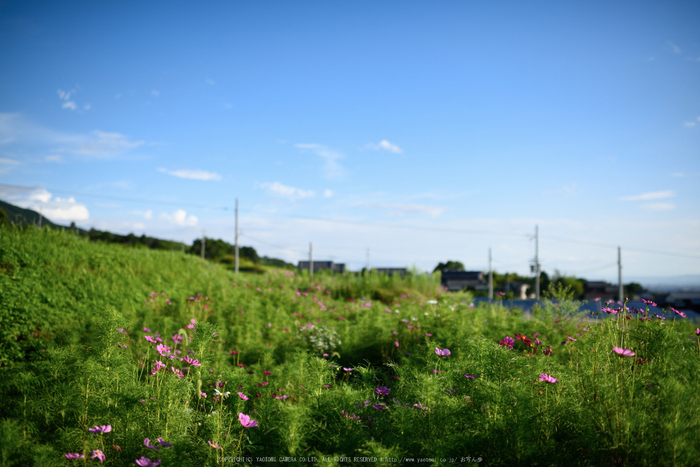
column 220, row 394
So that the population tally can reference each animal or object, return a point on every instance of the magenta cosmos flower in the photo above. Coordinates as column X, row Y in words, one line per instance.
column 623, row 352
column 246, row 421
column 442, row 352
column 382, row 391
column 548, row 379
column 215, row 446
column 74, row 455
column 100, row 429
column 146, row 462
column 97, row 454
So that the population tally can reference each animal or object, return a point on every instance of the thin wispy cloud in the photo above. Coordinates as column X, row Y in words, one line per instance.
column 569, row 190
column 651, row 195
column 104, row 144
column 192, row 174
column 689, row 124
column 6, row 165
column 659, row 206
column 332, row 168
column 210, row 82
column 385, row 146
column 180, row 217
column 155, row 93
column 400, row 209
column 673, row 47
column 289, row 192
column 327, row 194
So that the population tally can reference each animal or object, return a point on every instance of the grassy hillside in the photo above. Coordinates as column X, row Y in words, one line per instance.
column 136, row 354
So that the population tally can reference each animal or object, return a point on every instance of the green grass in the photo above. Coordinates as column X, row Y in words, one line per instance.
column 64, row 368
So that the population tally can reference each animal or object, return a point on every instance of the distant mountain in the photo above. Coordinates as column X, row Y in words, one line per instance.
column 216, row 250
column 21, row 216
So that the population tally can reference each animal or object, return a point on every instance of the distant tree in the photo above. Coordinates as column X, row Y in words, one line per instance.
column 449, row 266
column 633, row 288
column 4, row 218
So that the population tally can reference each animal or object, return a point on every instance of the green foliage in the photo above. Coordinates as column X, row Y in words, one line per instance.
column 75, row 354
column 449, row 266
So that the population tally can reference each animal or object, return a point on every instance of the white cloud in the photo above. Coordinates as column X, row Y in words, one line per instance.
column 104, row 144
column 285, row 191
column 400, row 209
column 192, row 174
column 118, row 96
column 332, row 168
column 386, row 146
column 9, row 162
column 327, row 194
column 64, row 95
column 87, row 106
column 678, row 174
column 650, row 195
column 40, row 200
column 674, row 48
column 54, row 158
column 155, row 92
column 69, row 105
column 659, row 206
column 180, row 218
column 688, row 124
column 210, row 82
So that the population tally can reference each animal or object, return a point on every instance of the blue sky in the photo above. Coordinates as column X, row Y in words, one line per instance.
column 421, row 131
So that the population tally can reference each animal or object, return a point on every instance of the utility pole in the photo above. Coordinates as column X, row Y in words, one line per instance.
column 537, row 263
column 204, row 240
column 311, row 259
column 236, row 261
column 490, row 277
column 619, row 274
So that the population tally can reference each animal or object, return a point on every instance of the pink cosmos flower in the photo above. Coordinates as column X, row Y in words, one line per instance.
column 215, row 446
column 74, row 455
column 697, row 332
column 267, row 372
column 242, row 396
column 548, row 379
column 163, row 349
column 97, row 454
column 146, row 462
column 571, row 338
column 147, row 443
column 100, row 429
column 246, row 421
column 507, row 342
column 192, row 362
column 442, row 352
column 150, row 339
column 623, row 352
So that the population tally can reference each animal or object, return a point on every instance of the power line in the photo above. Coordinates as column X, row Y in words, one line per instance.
column 365, row 224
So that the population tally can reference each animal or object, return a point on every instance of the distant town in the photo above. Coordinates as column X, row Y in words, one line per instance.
column 454, row 276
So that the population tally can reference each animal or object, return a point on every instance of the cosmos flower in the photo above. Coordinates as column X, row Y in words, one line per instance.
column 74, row 455
column 97, row 454
column 147, row 443
column 382, row 391
column 164, row 443
column 623, row 352
column 442, row 352
column 548, row 379
column 215, row 446
column 100, row 429
column 146, row 462
column 246, row 421
column 468, row 376
column 242, row 396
